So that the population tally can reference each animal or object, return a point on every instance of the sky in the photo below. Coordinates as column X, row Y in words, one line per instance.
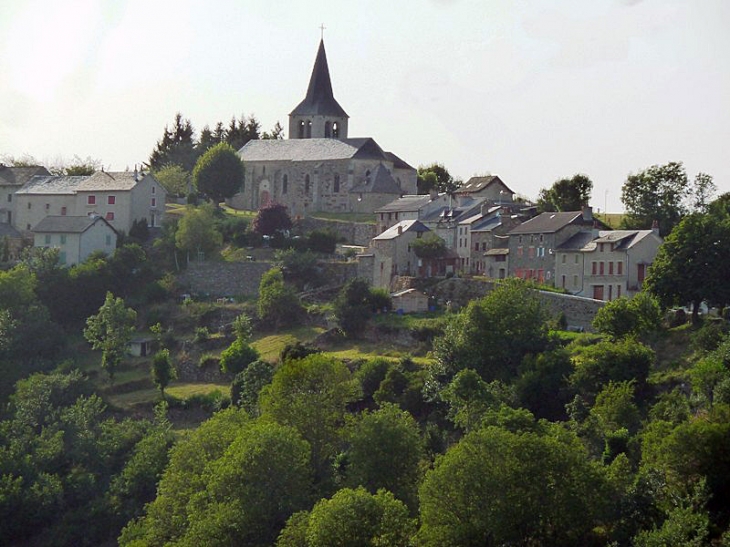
column 531, row 90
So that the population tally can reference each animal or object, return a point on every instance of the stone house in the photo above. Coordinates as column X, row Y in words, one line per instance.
column 485, row 234
column 393, row 253
column 75, row 237
column 12, row 179
column 319, row 168
column 604, row 264
column 409, row 207
column 490, row 187
column 532, row 244
column 409, row 301
column 119, row 197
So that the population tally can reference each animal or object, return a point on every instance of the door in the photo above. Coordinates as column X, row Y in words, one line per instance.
column 598, row 292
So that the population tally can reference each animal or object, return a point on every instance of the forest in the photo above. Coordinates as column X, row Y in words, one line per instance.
column 500, row 427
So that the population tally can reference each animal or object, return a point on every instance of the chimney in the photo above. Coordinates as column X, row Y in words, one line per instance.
column 587, row 213
column 136, row 177
column 596, row 231
column 400, row 229
column 655, row 227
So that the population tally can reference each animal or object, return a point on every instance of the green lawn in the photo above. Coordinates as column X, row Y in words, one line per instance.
column 270, row 345
column 366, row 218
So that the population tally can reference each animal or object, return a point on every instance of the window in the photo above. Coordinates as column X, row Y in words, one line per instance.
column 63, row 211
column 519, row 250
column 618, row 291
column 600, row 269
column 476, row 246
column 91, row 200
column 48, row 206
column 111, row 200
column 641, row 272
column 48, row 239
column 154, row 190
column 153, row 203
column 29, row 205
column 610, row 292
column 110, row 215
column 301, row 130
column 562, row 281
column 594, row 268
column 63, row 239
column 531, row 252
column 620, row 268
column 285, row 184
column 541, row 252
column 575, row 280
column 306, row 183
column 309, row 129
column 576, row 259
column 610, row 268
column 335, row 130
column 564, row 258
column 601, row 245
column 336, row 187
column 10, row 198
column 484, row 245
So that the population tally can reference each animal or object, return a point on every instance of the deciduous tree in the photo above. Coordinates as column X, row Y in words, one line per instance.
column 196, row 231
column 568, row 194
column 110, row 331
column 655, row 194
column 163, row 371
column 219, row 173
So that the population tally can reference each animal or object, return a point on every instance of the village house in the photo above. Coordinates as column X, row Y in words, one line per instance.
column 410, row 207
column 12, row 179
column 392, row 252
column 605, row 265
column 487, row 233
column 121, row 198
column 532, row 244
column 319, row 168
column 490, row 187
column 75, row 237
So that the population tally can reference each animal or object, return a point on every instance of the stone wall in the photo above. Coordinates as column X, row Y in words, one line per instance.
column 219, row 279
column 579, row 311
column 354, row 233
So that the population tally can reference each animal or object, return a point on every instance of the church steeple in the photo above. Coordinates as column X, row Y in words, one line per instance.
column 319, row 115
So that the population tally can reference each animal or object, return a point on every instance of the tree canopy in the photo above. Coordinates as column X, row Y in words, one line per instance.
column 219, row 172
column 111, row 330
column 657, row 193
column 436, row 177
column 196, row 232
column 567, row 194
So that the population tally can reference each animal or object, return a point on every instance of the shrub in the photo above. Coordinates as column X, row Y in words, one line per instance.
column 237, row 357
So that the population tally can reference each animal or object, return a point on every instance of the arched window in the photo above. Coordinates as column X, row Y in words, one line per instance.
column 309, row 129
column 285, row 184
column 306, row 184
column 327, row 130
column 301, row 130
column 336, row 187
column 335, row 130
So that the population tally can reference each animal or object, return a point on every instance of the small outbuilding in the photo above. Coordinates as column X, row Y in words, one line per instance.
column 410, row 301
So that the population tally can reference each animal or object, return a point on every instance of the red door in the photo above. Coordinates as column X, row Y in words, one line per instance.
column 598, row 292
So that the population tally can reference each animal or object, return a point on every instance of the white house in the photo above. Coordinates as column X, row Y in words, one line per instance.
column 119, row 197
column 75, row 237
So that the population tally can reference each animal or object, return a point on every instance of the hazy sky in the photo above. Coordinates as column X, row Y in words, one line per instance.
column 532, row 90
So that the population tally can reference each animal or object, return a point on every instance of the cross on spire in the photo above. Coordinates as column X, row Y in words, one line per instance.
column 322, row 29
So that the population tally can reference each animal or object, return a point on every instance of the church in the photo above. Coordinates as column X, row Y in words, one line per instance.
column 319, row 168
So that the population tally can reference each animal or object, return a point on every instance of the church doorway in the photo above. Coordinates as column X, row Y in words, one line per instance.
column 265, row 198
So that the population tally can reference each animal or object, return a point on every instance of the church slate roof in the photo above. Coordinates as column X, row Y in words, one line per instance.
column 17, row 176
column 320, row 100
column 311, row 150
column 380, row 182
column 67, row 224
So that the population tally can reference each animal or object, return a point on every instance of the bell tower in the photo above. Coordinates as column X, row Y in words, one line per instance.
column 319, row 115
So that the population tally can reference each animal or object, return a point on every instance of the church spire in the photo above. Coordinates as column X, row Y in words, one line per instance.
column 320, row 101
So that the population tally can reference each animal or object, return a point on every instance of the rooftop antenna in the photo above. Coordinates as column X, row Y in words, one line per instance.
column 322, row 29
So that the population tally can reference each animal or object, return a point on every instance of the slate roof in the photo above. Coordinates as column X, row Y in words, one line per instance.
column 405, row 204
column 320, row 100
column 6, row 230
column 405, row 226
column 475, row 184
column 67, row 224
column 311, row 150
column 101, row 181
column 622, row 239
column 17, row 176
column 546, row 223
column 398, row 163
column 380, row 182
